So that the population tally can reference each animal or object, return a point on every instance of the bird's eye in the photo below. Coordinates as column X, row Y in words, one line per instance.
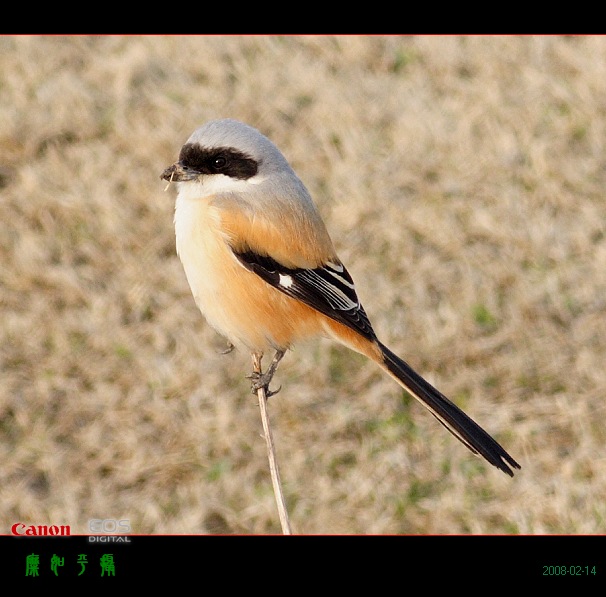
column 219, row 162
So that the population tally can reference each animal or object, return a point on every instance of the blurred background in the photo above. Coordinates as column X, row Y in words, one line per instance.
column 462, row 180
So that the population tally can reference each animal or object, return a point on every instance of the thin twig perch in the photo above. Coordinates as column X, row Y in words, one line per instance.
column 271, row 453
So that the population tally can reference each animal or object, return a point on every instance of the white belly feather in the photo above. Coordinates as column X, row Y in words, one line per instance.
column 204, row 255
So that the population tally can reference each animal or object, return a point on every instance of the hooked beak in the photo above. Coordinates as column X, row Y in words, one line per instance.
column 179, row 173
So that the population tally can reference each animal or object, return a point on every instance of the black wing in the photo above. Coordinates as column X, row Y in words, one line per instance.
column 328, row 289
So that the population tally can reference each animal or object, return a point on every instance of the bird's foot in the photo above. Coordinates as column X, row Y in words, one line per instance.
column 261, row 380
column 229, row 348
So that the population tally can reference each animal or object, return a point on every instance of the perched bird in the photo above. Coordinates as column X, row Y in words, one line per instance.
column 263, row 269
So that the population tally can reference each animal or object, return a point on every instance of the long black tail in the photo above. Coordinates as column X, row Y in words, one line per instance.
column 450, row 415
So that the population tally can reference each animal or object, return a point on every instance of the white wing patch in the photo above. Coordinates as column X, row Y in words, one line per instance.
column 285, row 281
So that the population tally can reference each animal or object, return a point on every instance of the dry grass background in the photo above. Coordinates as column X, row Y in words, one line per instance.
column 462, row 179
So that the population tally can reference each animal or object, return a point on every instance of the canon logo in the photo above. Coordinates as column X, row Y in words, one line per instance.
column 40, row 530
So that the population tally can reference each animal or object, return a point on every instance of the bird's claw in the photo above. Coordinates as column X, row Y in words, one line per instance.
column 261, row 381
column 229, row 348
